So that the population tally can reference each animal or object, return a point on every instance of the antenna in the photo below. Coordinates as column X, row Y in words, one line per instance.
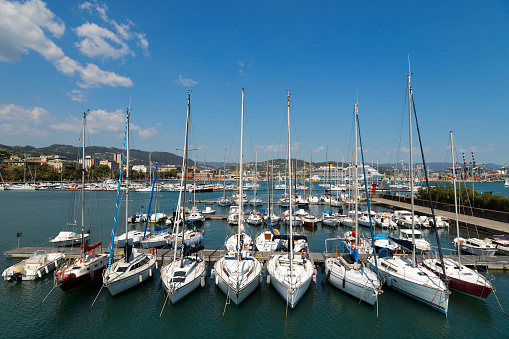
column 409, row 71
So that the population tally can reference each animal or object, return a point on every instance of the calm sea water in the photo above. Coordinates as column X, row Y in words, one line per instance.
column 324, row 311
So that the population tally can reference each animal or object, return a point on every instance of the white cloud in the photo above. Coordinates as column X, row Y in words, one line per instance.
column 185, row 82
column 93, row 76
column 16, row 120
column 77, row 95
column 101, row 121
column 319, row 149
column 147, row 133
column 21, row 30
column 99, row 41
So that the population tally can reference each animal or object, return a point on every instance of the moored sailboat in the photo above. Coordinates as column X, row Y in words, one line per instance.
column 88, row 268
column 461, row 278
column 404, row 274
column 134, row 267
column 183, row 275
column 291, row 273
column 238, row 273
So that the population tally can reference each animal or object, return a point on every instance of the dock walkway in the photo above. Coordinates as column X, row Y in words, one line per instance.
column 497, row 262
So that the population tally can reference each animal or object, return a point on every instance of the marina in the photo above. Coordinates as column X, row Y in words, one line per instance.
column 322, row 302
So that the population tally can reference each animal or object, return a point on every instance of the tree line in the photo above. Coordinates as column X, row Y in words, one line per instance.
column 466, row 197
column 71, row 172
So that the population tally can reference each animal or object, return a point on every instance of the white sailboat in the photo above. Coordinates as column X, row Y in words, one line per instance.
column 346, row 271
column 89, row 267
column 183, row 275
column 290, row 273
column 461, row 278
column 238, row 273
column 404, row 274
column 133, row 268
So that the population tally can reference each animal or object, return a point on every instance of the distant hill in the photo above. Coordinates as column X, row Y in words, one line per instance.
column 138, row 157
column 439, row 166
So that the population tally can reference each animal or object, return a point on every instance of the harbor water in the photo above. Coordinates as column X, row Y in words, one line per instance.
column 324, row 311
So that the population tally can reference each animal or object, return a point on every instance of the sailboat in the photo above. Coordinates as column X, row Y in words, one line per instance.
column 183, row 275
column 346, row 271
column 290, row 273
column 133, row 268
column 238, row 273
column 404, row 274
column 88, row 268
column 461, row 278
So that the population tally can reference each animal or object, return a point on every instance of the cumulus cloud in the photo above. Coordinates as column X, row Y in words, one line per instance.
column 185, row 82
column 319, row 149
column 16, row 120
column 22, row 28
column 99, row 41
column 101, row 121
column 77, row 95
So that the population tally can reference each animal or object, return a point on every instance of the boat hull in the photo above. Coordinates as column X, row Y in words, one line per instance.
column 237, row 297
column 291, row 297
column 351, row 282
column 436, row 299
column 73, row 283
column 124, row 282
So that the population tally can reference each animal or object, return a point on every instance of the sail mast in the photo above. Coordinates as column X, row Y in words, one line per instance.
column 455, row 198
column 241, row 191
column 411, row 167
column 290, row 192
column 186, row 150
column 83, row 186
column 356, row 182
column 127, row 186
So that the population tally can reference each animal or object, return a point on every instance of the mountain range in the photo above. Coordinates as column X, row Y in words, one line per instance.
column 139, row 157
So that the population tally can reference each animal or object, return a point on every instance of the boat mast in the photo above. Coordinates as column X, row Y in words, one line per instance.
column 410, row 170
column 83, row 185
column 255, row 178
column 356, row 182
column 290, row 254
column 455, row 198
column 127, row 185
column 241, row 191
column 186, row 150
column 268, row 186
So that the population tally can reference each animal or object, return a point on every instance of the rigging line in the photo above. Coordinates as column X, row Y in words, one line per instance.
column 47, row 295
column 165, row 301
column 102, row 286
column 429, row 190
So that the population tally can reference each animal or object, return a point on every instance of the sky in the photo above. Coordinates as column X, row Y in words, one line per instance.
column 60, row 58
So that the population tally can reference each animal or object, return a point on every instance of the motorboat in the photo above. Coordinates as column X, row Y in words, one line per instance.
column 38, row 264
column 67, row 238
column 474, row 246
column 422, row 246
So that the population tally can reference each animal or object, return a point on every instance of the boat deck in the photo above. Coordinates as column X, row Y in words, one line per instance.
column 497, row 262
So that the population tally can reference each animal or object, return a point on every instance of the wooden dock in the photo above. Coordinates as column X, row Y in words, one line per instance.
column 497, row 262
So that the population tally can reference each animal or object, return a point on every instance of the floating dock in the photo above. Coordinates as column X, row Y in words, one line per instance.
column 497, row 262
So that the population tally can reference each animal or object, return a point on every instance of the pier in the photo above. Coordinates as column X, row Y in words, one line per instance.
column 210, row 256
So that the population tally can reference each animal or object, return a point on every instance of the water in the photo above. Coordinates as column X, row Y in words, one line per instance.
column 323, row 311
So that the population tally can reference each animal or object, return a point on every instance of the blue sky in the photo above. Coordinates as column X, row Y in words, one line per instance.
column 58, row 58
